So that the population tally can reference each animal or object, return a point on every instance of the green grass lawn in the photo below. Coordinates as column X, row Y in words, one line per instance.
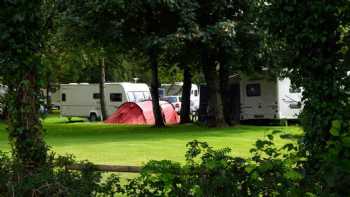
column 135, row 145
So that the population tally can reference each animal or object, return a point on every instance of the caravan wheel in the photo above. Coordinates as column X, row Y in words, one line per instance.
column 194, row 116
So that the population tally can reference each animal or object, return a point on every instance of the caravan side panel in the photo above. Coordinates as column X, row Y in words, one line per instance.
column 289, row 100
column 115, row 96
column 3, row 90
column 81, row 100
column 77, row 100
column 258, row 99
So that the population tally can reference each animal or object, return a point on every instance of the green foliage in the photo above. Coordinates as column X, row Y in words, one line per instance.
column 271, row 171
column 334, row 173
column 312, row 39
column 55, row 180
column 310, row 42
column 23, row 29
column 310, row 45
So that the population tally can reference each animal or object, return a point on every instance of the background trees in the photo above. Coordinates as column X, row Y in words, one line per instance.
column 218, row 32
column 218, row 38
column 149, row 25
column 138, row 27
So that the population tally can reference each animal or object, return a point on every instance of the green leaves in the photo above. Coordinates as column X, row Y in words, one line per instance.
column 311, row 37
column 346, row 141
column 336, row 128
column 293, row 175
column 23, row 27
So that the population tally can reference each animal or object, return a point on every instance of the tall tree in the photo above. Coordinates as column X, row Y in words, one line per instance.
column 181, row 52
column 23, row 26
column 215, row 31
column 102, row 89
column 186, row 95
column 147, row 26
column 96, row 58
column 310, row 34
column 239, row 54
column 312, row 46
column 89, row 24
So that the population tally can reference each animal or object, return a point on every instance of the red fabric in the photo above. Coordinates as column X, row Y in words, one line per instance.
column 147, row 111
column 170, row 115
column 141, row 113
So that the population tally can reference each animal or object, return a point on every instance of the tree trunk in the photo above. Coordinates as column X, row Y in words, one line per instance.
column 25, row 129
column 102, row 90
column 186, row 96
column 215, row 108
column 158, row 117
column 225, row 94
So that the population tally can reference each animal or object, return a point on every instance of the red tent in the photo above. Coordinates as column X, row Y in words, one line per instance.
column 142, row 113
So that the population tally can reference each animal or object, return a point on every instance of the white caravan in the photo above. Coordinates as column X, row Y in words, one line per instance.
column 176, row 90
column 266, row 99
column 55, row 99
column 3, row 90
column 83, row 99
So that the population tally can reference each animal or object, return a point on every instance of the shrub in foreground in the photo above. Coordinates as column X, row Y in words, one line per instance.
column 54, row 180
column 270, row 171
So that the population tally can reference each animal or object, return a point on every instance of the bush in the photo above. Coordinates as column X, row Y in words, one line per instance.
column 271, row 171
column 54, row 179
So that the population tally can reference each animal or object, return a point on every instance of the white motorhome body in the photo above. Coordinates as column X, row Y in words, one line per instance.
column 83, row 99
column 176, row 90
column 266, row 99
column 54, row 95
column 3, row 90
column 55, row 99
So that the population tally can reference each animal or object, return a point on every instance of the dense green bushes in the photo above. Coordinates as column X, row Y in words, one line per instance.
column 54, row 180
column 270, row 171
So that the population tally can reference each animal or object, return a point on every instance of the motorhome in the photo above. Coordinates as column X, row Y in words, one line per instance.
column 54, row 95
column 55, row 100
column 269, row 99
column 3, row 90
column 175, row 89
column 83, row 99
column 256, row 98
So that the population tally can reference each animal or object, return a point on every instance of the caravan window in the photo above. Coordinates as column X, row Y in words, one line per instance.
column 96, row 96
column 131, row 97
column 293, row 89
column 296, row 105
column 147, row 95
column 196, row 93
column 139, row 96
column 115, row 97
column 63, row 97
column 253, row 90
column 161, row 92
